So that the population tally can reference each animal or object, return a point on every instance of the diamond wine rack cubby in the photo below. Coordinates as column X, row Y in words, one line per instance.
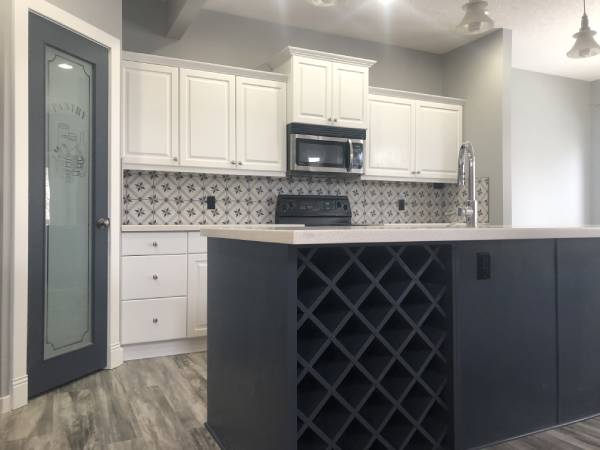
column 373, row 327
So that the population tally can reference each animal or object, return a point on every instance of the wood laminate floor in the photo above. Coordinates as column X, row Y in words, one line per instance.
column 160, row 404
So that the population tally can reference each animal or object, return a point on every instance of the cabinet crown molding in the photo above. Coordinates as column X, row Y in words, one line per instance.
column 205, row 66
column 415, row 96
column 288, row 52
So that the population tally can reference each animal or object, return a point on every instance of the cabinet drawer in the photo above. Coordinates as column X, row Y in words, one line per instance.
column 153, row 276
column 154, row 320
column 197, row 243
column 165, row 243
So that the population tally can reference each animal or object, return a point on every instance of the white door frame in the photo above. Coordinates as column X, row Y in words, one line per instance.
column 20, row 134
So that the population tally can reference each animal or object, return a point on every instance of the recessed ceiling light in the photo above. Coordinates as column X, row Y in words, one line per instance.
column 65, row 66
column 323, row 3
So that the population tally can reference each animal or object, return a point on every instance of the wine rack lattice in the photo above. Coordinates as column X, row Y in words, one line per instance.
column 372, row 329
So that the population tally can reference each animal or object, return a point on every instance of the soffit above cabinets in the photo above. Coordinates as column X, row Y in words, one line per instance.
column 542, row 30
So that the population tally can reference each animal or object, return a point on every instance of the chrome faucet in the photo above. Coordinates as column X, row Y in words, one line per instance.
column 469, row 211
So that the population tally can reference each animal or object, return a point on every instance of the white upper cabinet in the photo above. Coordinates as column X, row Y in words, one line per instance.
column 324, row 88
column 150, row 114
column 260, row 124
column 202, row 117
column 391, row 137
column 350, row 95
column 439, row 136
column 312, row 94
column 412, row 139
column 207, row 124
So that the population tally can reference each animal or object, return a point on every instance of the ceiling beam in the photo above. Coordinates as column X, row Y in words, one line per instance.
column 180, row 15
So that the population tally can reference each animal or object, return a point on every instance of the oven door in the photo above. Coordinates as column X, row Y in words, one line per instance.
column 310, row 153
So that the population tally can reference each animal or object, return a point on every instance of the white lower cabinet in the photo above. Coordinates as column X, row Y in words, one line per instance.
column 153, row 320
column 153, row 276
column 163, row 296
column 197, row 295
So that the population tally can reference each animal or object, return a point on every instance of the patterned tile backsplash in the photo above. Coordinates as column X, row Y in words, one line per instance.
column 162, row 198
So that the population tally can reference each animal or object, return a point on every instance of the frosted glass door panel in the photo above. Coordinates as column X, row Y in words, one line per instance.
column 68, row 189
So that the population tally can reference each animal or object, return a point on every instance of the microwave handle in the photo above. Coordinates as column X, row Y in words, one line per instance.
column 350, row 155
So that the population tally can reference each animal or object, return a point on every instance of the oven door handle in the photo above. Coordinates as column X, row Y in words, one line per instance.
column 350, row 155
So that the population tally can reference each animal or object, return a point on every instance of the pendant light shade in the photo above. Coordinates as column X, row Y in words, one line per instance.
column 585, row 45
column 477, row 19
column 323, row 3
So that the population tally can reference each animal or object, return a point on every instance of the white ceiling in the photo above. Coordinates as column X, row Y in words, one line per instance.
column 542, row 29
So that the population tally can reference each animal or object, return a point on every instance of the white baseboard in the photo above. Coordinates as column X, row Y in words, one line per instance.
column 19, row 392
column 166, row 348
column 5, row 404
column 115, row 357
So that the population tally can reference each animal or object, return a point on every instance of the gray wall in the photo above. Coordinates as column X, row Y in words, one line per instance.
column 231, row 40
column 104, row 14
column 551, row 150
column 595, row 158
column 480, row 72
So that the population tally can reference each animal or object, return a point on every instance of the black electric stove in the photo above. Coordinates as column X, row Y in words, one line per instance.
column 313, row 210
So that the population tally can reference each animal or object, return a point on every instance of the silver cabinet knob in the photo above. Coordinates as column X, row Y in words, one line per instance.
column 155, row 244
column 330, row 119
column 233, row 162
column 239, row 163
column 175, row 158
column 103, row 223
column 155, row 320
column 335, row 119
column 155, row 277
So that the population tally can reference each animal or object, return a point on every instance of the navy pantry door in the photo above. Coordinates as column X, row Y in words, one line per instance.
column 68, row 206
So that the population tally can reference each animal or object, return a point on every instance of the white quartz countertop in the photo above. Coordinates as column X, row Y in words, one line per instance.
column 161, row 228
column 298, row 235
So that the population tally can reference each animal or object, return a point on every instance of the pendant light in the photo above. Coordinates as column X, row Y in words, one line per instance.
column 585, row 45
column 477, row 19
column 323, row 3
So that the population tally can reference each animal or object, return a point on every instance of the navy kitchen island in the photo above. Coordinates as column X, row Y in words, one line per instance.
column 399, row 338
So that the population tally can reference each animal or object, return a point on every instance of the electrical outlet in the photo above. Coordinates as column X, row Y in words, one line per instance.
column 211, row 202
column 484, row 266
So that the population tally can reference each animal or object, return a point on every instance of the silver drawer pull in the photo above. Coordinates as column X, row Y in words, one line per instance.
column 155, row 244
column 155, row 320
column 155, row 277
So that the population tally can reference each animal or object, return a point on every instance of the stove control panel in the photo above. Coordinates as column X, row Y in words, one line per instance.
column 323, row 207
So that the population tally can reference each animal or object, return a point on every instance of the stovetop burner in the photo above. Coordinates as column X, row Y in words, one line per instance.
column 313, row 210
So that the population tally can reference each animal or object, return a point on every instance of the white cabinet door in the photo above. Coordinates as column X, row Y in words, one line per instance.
column 312, row 91
column 260, row 124
column 207, row 127
column 197, row 295
column 391, row 137
column 439, row 136
column 350, row 94
column 150, row 114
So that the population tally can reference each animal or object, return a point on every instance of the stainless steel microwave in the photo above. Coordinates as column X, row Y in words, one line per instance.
column 324, row 149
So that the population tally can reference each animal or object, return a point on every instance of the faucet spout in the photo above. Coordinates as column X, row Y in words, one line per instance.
column 466, row 171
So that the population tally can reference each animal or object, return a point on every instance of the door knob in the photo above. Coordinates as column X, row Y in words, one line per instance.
column 103, row 223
